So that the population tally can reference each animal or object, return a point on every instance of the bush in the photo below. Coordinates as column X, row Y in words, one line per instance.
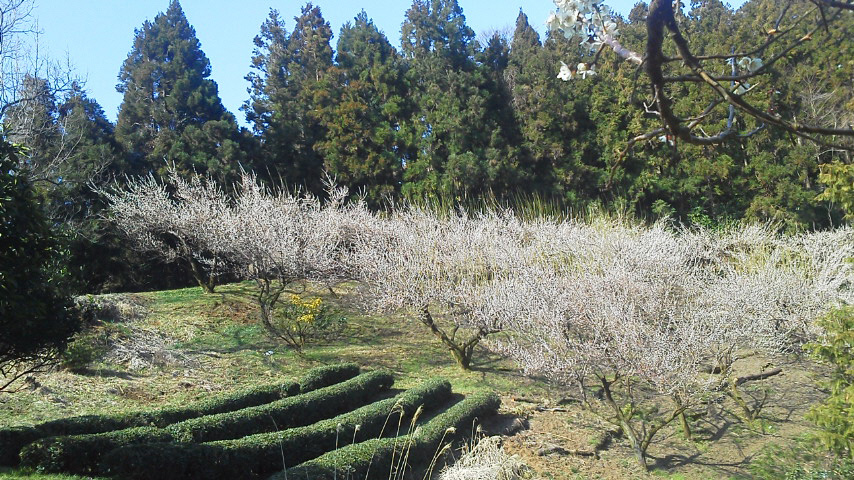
column 329, row 375
column 286, row 413
column 835, row 416
column 80, row 454
column 35, row 302
column 82, row 351
column 377, row 455
column 12, row 440
column 299, row 321
column 258, row 455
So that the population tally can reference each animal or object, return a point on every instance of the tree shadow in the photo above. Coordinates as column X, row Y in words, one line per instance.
column 676, row 460
column 108, row 373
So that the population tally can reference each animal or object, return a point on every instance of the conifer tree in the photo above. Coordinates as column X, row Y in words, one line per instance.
column 98, row 257
column 461, row 149
column 365, row 145
column 32, row 124
column 171, row 110
column 289, row 82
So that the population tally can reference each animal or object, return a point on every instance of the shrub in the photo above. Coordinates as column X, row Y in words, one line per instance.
column 35, row 304
column 329, row 375
column 82, row 351
column 835, row 416
column 80, row 454
column 12, row 440
column 299, row 321
column 262, row 454
column 356, row 461
column 289, row 412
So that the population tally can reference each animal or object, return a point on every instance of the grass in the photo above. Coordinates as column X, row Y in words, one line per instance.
column 215, row 345
column 6, row 473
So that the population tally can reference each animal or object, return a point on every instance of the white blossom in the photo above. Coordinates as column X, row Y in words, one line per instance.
column 585, row 71
column 565, row 73
column 741, row 88
column 750, row 64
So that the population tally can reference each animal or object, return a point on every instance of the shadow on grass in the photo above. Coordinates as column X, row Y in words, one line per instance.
column 108, row 373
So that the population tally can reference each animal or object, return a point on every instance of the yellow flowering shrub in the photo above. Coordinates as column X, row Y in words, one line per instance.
column 301, row 320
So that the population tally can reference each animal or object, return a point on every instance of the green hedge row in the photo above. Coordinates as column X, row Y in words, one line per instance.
column 13, row 440
column 378, row 457
column 320, row 377
column 296, row 411
column 258, row 455
column 81, row 454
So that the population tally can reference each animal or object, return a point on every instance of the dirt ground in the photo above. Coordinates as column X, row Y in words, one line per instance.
column 564, row 441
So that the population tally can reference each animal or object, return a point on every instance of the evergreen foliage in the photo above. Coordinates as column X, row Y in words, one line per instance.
column 463, row 134
column 288, row 84
column 171, row 109
column 35, row 306
column 257, row 456
column 70, row 436
column 835, row 416
column 365, row 145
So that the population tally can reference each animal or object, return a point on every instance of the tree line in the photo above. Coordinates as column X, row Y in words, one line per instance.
column 447, row 116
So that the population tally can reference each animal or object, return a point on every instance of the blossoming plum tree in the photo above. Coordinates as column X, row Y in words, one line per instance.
column 632, row 316
column 273, row 237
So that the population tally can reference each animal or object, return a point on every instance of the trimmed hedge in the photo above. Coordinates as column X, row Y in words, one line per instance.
column 286, row 413
column 381, row 455
column 320, row 377
column 258, row 455
column 11, row 441
column 62, row 451
column 81, row 454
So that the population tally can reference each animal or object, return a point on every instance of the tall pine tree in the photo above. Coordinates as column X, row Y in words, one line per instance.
column 365, row 144
column 171, row 110
column 461, row 149
column 288, row 83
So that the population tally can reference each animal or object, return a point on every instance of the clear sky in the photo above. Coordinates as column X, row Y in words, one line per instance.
column 97, row 35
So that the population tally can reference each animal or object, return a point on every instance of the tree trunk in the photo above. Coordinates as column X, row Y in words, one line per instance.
column 462, row 353
column 637, row 447
column 204, row 279
column 686, row 428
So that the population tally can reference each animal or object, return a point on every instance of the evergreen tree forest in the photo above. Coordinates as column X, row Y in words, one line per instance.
column 446, row 116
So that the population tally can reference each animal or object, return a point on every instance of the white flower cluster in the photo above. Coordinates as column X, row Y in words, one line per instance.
column 587, row 19
column 577, row 18
column 582, row 70
column 750, row 65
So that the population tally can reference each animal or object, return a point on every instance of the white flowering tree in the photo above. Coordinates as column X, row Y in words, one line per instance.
column 615, row 312
column 275, row 238
column 632, row 316
column 172, row 219
column 441, row 269
column 592, row 23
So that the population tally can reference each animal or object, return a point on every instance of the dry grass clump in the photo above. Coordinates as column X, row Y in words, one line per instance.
column 487, row 460
column 138, row 348
column 112, row 307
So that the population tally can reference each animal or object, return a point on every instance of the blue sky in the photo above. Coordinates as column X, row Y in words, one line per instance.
column 97, row 35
